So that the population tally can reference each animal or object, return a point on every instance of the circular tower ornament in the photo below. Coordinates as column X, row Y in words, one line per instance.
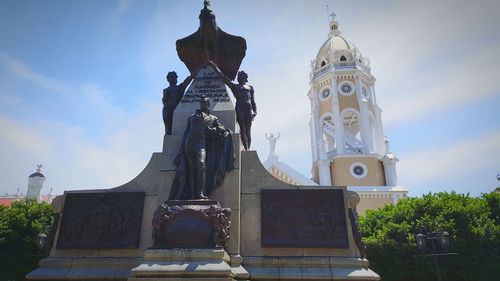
column 325, row 94
column 346, row 88
column 358, row 170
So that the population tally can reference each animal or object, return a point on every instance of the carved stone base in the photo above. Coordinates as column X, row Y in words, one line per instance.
column 185, row 264
column 309, row 268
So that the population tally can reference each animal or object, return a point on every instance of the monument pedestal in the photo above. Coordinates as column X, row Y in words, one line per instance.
column 184, row 264
column 309, row 268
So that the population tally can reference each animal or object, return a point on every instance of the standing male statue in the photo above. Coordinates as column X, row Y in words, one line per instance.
column 172, row 96
column 206, row 154
column 272, row 142
column 246, row 109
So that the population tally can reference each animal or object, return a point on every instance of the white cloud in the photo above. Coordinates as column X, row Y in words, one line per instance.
column 429, row 57
column 22, row 138
column 466, row 158
column 73, row 160
column 72, row 156
column 22, row 70
column 466, row 80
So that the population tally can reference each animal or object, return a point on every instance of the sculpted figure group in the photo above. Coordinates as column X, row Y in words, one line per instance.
column 246, row 108
column 207, row 151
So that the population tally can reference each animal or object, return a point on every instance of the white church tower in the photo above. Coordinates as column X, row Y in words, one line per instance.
column 347, row 137
column 35, row 184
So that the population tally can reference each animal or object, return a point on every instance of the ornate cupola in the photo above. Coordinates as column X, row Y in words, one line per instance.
column 35, row 184
column 347, row 138
column 334, row 26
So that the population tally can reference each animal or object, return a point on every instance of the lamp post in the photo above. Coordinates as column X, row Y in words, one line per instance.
column 41, row 241
column 437, row 240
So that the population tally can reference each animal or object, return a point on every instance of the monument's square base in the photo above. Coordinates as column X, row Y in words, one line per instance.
column 184, row 264
column 308, row 268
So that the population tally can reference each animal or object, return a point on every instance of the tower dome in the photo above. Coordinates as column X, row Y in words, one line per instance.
column 338, row 52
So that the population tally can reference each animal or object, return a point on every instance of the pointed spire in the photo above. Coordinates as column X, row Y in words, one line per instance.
column 334, row 26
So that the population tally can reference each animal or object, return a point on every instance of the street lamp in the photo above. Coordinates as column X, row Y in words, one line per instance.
column 41, row 241
column 441, row 240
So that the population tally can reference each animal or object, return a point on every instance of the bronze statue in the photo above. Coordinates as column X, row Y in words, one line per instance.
column 246, row 109
column 211, row 43
column 206, row 154
column 172, row 96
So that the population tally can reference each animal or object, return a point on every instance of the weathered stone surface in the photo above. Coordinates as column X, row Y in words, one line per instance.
column 308, row 268
column 183, row 263
column 84, row 268
column 148, row 179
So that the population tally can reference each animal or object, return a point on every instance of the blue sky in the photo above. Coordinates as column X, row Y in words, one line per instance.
column 81, row 84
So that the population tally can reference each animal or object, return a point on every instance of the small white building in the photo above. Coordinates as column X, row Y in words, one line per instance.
column 35, row 185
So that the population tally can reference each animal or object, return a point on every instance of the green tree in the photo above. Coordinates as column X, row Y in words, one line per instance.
column 19, row 225
column 473, row 224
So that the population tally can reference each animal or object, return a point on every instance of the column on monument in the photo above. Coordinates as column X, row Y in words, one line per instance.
column 364, row 119
column 380, row 138
column 312, row 125
column 379, row 145
column 391, row 177
column 337, row 120
column 372, row 90
column 318, row 129
column 324, row 172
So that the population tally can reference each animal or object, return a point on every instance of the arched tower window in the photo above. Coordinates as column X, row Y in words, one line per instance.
column 352, row 142
column 326, row 122
column 343, row 58
column 323, row 63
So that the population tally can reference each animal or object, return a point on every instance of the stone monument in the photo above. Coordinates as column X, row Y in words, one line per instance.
column 195, row 215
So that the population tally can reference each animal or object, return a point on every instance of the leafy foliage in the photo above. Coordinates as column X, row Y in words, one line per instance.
column 473, row 225
column 19, row 225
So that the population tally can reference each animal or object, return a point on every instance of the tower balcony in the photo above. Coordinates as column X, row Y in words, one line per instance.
column 339, row 65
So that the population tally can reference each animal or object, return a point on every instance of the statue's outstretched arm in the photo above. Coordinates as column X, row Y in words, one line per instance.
column 188, row 79
column 226, row 79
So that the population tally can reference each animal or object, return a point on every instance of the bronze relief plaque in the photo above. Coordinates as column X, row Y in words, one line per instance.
column 108, row 220
column 312, row 218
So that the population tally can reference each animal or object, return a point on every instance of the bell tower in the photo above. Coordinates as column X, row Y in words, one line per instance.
column 347, row 137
